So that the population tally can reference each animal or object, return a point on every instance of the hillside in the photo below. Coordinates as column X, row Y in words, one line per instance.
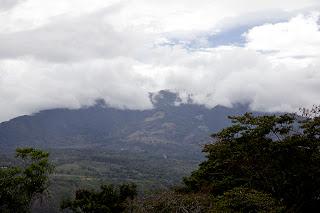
column 164, row 125
column 154, row 148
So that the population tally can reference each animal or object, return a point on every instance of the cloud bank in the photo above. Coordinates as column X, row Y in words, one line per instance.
column 8, row 4
column 121, row 51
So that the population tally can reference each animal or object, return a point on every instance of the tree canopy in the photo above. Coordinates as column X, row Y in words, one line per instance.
column 278, row 155
column 21, row 185
column 109, row 199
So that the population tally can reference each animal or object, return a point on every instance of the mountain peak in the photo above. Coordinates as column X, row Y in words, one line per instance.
column 164, row 98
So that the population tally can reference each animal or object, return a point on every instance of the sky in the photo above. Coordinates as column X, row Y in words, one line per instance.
column 69, row 53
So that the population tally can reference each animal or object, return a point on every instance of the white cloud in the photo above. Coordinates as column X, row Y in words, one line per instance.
column 27, row 86
column 9, row 4
column 70, row 53
column 68, row 39
column 297, row 38
column 238, row 75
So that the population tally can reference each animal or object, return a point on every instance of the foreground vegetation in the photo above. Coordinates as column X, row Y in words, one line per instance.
column 22, row 185
column 258, row 164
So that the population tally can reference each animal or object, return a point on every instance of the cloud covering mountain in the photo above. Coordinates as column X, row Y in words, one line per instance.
column 69, row 53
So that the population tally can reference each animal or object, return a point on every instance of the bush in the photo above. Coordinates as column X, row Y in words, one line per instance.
column 109, row 199
column 170, row 201
column 242, row 199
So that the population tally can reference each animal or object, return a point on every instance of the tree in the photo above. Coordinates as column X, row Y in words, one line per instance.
column 109, row 199
column 22, row 185
column 241, row 199
column 274, row 154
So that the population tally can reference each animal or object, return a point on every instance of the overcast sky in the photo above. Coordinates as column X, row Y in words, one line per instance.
column 69, row 53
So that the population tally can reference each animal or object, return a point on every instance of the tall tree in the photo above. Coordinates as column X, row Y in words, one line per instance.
column 278, row 155
column 21, row 185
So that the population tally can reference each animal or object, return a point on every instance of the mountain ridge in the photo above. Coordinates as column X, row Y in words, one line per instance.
column 167, row 123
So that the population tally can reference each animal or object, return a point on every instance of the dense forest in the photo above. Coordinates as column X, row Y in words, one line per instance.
column 264, row 163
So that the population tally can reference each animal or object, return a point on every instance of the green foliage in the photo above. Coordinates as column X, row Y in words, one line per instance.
column 170, row 201
column 108, row 199
column 247, row 200
column 91, row 166
column 21, row 185
column 239, row 199
column 278, row 155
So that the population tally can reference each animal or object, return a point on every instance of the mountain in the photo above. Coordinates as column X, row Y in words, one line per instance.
column 166, row 126
column 154, row 148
